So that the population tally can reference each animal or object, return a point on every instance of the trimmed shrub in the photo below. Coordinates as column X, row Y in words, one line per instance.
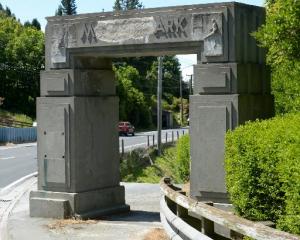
column 262, row 163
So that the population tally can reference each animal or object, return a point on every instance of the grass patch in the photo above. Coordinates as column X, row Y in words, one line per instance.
column 15, row 117
column 144, row 166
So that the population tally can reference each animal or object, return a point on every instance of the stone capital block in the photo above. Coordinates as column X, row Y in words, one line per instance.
column 78, row 82
column 231, row 78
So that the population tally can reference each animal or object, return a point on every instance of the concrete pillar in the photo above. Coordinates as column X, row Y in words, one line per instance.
column 78, row 151
column 226, row 94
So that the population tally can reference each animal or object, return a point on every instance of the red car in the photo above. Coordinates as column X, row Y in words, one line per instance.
column 126, row 128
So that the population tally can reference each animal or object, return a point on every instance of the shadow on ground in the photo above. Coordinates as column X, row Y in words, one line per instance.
column 134, row 216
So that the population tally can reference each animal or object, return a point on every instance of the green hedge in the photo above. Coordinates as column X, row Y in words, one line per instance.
column 263, row 171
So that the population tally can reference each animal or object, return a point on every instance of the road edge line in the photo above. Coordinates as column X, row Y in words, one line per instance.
column 17, row 183
column 9, row 209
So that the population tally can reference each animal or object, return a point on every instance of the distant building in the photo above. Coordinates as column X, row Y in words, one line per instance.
column 167, row 118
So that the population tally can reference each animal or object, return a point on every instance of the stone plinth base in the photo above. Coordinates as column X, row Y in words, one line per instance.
column 84, row 205
column 215, row 197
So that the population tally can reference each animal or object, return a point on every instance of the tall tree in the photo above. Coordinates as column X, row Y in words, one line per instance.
column 127, row 5
column 6, row 11
column 35, row 24
column 66, row 7
column 59, row 11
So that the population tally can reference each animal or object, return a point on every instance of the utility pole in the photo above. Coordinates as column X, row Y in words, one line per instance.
column 159, row 110
column 181, row 101
column 190, row 83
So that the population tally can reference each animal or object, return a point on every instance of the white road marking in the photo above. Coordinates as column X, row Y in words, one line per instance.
column 17, row 146
column 7, row 158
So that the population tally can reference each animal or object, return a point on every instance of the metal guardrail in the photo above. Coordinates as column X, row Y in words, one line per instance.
column 18, row 135
column 202, row 217
column 167, row 137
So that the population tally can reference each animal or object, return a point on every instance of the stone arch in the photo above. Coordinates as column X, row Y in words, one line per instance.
column 77, row 112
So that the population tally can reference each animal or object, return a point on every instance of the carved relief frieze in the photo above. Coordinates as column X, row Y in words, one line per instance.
column 209, row 28
column 89, row 35
column 160, row 28
column 62, row 37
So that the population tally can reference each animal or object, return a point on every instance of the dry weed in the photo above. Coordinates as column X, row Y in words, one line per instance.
column 62, row 223
column 156, row 234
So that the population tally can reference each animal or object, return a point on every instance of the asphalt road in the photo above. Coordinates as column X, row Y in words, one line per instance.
column 20, row 160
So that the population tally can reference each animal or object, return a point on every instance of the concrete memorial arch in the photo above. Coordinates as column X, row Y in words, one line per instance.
column 78, row 153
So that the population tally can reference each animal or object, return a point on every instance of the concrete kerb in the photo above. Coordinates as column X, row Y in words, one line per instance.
column 13, row 185
column 7, row 211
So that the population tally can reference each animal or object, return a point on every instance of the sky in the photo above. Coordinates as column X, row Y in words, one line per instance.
column 29, row 9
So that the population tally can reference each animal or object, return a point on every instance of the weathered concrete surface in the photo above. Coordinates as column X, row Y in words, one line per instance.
column 226, row 95
column 83, row 205
column 210, row 117
column 78, row 147
column 217, row 32
column 134, row 225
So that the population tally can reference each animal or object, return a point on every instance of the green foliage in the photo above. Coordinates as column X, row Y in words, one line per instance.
column 34, row 24
column 174, row 163
column 59, row 11
column 280, row 36
column 286, row 86
column 133, row 106
column 66, row 7
column 263, row 171
column 183, row 158
column 171, row 77
column 27, row 49
column 21, row 58
column 6, row 11
column 120, row 5
column 134, row 167
column 15, row 117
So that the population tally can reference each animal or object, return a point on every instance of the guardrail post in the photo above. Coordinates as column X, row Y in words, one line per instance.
column 235, row 235
column 172, row 136
column 183, row 132
column 166, row 137
column 172, row 205
column 123, row 148
column 207, row 227
column 148, row 141
column 153, row 136
column 177, row 135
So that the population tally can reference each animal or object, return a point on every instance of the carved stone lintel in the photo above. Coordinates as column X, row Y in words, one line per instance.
column 186, row 27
